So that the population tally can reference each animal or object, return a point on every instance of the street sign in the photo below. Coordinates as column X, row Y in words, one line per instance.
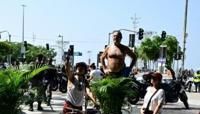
column 77, row 54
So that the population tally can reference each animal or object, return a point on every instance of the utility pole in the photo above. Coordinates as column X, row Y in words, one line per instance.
column 177, row 64
column 62, row 50
column 184, row 33
column 89, row 55
column 135, row 22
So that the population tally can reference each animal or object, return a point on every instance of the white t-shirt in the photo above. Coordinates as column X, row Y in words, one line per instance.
column 74, row 95
column 158, row 98
column 96, row 74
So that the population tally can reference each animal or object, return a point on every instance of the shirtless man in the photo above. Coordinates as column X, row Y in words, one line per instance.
column 115, row 55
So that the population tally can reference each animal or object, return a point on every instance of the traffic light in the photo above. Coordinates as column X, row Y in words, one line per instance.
column 131, row 40
column 140, row 34
column 47, row 46
column 25, row 45
column 71, row 50
column 163, row 35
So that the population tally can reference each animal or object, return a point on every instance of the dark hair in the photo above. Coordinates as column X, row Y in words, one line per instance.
column 81, row 64
column 93, row 66
column 156, row 76
column 119, row 33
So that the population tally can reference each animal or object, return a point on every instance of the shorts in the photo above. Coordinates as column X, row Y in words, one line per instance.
column 125, row 72
column 68, row 107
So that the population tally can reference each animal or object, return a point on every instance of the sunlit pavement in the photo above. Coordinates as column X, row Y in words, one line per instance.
column 169, row 108
column 179, row 108
column 56, row 103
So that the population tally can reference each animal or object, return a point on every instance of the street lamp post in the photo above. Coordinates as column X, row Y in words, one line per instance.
column 62, row 50
column 109, row 38
column 89, row 55
column 184, row 33
column 9, row 40
column 22, row 44
column 177, row 61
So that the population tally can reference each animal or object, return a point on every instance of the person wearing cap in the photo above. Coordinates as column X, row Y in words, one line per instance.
column 155, row 96
column 115, row 54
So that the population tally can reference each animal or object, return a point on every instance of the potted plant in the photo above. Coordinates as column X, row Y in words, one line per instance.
column 111, row 93
column 11, row 92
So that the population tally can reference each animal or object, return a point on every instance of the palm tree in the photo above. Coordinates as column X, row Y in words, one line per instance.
column 11, row 92
column 171, row 43
column 149, row 49
column 111, row 93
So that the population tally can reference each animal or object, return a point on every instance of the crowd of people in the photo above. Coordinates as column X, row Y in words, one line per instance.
column 80, row 76
column 114, row 55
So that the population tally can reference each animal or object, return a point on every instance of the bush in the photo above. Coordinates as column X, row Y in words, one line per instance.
column 11, row 92
column 111, row 93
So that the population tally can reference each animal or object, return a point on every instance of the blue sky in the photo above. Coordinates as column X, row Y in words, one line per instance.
column 86, row 23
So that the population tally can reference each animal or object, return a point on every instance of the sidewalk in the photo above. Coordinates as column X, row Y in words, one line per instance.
column 57, row 103
column 193, row 98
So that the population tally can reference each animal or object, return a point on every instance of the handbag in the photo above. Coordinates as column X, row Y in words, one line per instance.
column 146, row 110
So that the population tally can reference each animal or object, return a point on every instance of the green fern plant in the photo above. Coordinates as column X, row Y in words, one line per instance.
column 11, row 94
column 111, row 93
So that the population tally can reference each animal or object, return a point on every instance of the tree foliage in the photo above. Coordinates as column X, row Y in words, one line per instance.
column 11, row 92
column 32, row 51
column 150, row 48
column 171, row 43
column 111, row 93
column 5, row 49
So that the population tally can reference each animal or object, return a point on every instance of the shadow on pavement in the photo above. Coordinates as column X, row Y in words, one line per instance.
column 178, row 108
column 57, row 104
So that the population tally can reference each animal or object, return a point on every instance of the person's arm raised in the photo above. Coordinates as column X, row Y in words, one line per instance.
column 69, row 70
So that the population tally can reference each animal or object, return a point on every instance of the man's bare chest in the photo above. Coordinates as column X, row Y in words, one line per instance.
column 115, row 52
